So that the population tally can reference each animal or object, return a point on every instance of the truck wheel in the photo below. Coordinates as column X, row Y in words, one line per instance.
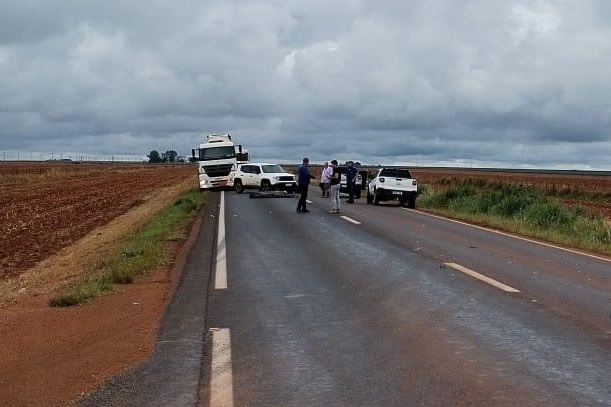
column 265, row 186
column 376, row 198
column 369, row 198
column 411, row 203
column 239, row 188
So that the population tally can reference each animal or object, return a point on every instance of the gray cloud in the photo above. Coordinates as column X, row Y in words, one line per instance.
column 514, row 83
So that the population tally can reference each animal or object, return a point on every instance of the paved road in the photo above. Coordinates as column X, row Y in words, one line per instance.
column 381, row 306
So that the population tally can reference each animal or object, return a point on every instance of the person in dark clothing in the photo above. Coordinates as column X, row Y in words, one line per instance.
column 303, row 183
column 350, row 181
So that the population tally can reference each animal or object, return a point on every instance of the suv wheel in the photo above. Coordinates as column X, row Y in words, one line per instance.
column 265, row 186
column 239, row 188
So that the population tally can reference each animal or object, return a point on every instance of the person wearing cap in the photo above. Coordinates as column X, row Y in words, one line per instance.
column 303, row 183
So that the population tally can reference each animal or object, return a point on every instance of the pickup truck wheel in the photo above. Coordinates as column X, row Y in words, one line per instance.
column 239, row 187
column 369, row 198
column 265, row 186
column 376, row 198
column 411, row 203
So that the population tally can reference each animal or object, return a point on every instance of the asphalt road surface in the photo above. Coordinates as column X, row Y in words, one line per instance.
column 376, row 306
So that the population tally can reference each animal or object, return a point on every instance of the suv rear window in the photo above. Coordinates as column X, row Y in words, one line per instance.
column 396, row 173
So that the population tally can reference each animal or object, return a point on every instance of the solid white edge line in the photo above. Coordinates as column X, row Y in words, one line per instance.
column 356, row 222
column 220, row 276
column 482, row 277
column 221, row 377
column 593, row 256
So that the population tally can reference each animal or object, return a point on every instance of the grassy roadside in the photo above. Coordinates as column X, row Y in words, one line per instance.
column 144, row 250
column 523, row 210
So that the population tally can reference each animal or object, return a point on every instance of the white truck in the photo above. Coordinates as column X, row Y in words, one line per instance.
column 217, row 161
column 393, row 184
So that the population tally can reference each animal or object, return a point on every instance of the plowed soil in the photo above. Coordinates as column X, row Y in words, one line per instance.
column 44, row 208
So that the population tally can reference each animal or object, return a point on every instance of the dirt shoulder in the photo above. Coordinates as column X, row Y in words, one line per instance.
column 52, row 356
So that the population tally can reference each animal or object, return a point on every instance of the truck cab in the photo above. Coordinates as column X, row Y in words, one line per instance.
column 216, row 161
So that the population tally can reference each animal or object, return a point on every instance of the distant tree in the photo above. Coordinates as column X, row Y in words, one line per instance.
column 170, row 156
column 155, row 157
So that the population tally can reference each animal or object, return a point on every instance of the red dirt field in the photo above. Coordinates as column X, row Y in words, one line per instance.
column 45, row 207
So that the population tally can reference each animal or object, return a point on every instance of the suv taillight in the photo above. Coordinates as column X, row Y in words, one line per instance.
column 381, row 179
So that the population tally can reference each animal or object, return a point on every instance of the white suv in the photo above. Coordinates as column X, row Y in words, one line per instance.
column 264, row 177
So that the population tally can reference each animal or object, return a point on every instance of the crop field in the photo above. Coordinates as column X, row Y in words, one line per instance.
column 45, row 207
column 567, row 181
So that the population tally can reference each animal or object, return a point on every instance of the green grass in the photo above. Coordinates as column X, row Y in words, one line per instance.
column 139, row 252
column 520, row 209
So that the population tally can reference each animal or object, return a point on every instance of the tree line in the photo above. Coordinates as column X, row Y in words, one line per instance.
column 169, row 156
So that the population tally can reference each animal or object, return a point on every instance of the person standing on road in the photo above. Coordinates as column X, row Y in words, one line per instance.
column 303, row 183
column 350, row 181
column 334, row 180
column 324, row 179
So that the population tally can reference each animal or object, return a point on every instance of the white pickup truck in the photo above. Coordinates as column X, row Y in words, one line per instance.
column 393, row 184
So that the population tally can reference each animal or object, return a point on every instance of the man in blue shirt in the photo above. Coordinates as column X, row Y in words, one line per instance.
column 350, row 181
column 303, row 183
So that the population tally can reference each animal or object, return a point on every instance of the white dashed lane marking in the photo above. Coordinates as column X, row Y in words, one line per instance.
column 483, row 278
column 356, row 222
column 220, row 270
column 221, row 377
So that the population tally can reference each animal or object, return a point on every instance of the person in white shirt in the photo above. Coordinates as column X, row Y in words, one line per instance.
column 324, row 179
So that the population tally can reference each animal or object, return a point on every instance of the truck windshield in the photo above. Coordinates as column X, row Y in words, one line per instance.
column 273, row 169
column 216, row 153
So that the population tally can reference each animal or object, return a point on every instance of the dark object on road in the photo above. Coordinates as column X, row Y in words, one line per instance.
column 272, row 194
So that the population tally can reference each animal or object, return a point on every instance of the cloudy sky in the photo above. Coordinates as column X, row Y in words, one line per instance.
column 442, row 82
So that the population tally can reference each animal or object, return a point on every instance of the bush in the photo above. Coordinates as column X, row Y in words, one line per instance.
column 546, row 215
